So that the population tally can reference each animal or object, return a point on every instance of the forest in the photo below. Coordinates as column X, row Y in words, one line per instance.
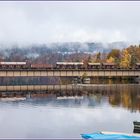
column 125, row 58
column 41, row 54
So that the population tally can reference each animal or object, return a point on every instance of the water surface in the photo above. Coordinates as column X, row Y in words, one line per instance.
column 68, row 114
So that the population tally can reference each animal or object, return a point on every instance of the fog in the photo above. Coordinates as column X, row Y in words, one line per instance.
column 46, row 22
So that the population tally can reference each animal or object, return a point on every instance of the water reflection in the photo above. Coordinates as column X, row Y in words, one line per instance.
column 125, row 96
column 63, row 80
column 69, row 113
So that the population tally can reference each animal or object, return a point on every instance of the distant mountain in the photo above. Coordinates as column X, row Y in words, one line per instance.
column 47, row 52
column 70, row 46
column 87, row 47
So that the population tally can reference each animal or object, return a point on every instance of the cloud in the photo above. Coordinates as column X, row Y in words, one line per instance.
column 42, row 22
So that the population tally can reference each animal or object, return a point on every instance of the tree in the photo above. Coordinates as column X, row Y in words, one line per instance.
column 133, row 51
column 114, row 55
column 98, row 57
column 84, row 75
column 126, row 59
column 110, row 60
column 89, row 59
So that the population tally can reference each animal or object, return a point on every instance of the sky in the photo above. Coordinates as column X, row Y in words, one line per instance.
column 45, row 22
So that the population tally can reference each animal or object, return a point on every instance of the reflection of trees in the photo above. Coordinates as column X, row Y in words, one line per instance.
column 114, row 100
column 127, row 98
column 94, row 99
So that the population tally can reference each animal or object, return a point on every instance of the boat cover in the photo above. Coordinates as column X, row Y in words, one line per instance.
column 100, row 135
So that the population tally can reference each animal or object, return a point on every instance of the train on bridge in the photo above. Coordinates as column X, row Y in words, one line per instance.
column 63, row 65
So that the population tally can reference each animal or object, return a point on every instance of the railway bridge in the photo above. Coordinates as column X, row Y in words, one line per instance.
column 69, row 73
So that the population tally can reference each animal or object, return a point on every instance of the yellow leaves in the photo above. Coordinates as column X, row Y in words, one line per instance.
column 110, row 60
column 126, row 59
column 84, row 75
column 115, row 53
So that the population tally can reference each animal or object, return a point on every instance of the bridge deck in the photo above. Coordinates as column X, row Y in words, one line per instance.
column 68, row 73
column 70, row 87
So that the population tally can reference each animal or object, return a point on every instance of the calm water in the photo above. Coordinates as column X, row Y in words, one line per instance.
column 69, row 113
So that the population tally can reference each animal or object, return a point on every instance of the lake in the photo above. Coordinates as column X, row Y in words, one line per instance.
column 67, row 114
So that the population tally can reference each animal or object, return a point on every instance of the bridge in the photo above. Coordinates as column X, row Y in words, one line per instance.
column 69, row 87
column 69, row 73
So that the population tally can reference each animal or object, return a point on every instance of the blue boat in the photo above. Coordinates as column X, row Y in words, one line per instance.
column 109, row 136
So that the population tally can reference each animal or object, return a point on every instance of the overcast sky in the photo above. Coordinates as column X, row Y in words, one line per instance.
column 42, row 22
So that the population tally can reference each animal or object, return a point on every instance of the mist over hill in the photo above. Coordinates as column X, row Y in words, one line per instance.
column 52, row 52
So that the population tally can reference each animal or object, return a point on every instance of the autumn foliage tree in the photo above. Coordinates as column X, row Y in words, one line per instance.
column 134, row 51
column 114, row 56
column 110, row 60
column 126, row 59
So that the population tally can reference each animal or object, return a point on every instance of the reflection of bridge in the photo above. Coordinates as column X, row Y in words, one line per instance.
column 70, row 87
column 69, row 73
